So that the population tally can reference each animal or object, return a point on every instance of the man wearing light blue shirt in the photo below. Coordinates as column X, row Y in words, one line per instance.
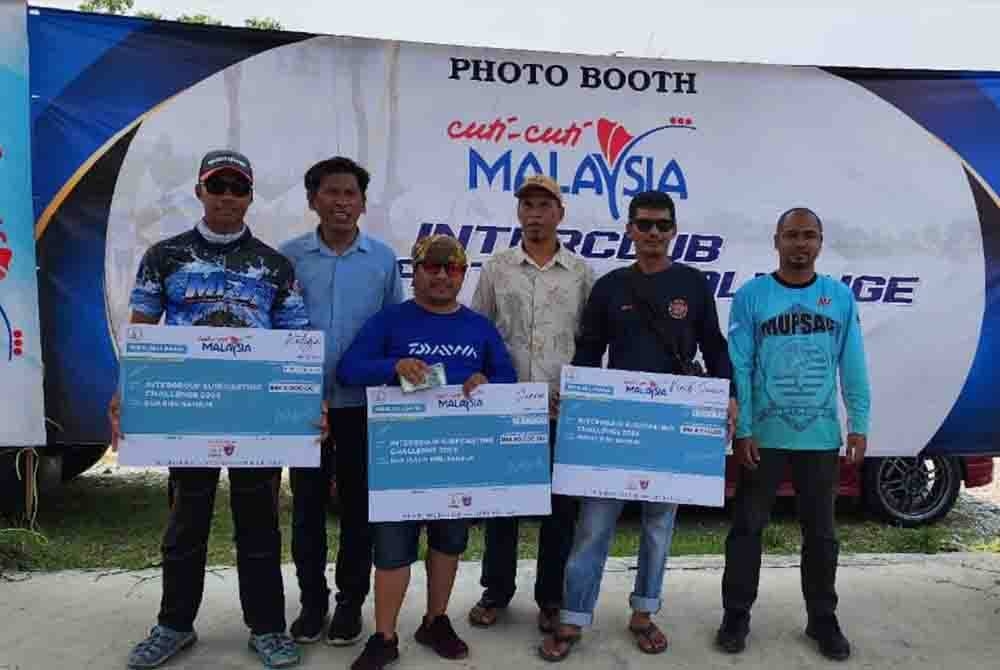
column 791, row 334
column 346, row 277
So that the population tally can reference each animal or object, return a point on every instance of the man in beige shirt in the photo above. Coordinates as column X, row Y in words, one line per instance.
column 534, row 293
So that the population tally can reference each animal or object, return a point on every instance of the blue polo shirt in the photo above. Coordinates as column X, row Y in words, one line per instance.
column 341, row 292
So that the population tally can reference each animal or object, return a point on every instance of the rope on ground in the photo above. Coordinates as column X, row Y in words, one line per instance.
column 30, row 479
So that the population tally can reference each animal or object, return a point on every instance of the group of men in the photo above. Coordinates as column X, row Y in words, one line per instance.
column 536, row 307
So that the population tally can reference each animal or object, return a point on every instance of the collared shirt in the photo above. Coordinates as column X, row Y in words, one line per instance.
column 342, row 291
column 536, row 308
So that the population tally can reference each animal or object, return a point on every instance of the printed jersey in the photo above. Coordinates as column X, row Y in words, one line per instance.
column 464, row 342
column 241, row 284
column 787, row 344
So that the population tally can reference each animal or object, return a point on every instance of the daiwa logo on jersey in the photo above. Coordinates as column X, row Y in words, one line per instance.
column 618, row 170
column 424, row 349
column 226, row 344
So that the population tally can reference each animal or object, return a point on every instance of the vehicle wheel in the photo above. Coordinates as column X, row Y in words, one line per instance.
column 79, row 459
column 911, row 491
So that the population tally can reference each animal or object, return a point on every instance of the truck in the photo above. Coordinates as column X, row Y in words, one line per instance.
column 902, row 165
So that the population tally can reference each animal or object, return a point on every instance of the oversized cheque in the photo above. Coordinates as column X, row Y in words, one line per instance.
column 204, row 396
column 641, row 436
column 436, row 454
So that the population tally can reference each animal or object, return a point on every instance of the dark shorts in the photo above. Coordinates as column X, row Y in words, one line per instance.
column 397, row 542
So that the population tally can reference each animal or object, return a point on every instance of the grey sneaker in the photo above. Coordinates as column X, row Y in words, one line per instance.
column 162, row 644
column 275, row 650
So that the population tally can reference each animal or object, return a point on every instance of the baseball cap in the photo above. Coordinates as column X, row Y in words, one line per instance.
column 540, row 182
column 439, row 249
column 225, row 159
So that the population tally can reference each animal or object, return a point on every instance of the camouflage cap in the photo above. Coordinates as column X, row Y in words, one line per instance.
column 439, row 249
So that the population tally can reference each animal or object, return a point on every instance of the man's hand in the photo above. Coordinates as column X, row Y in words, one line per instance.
column 746, row 452
column 115, row 417
column 732, row 412
column 857, row 445
column 324, row 423
column 473, row 382
column 412, row 370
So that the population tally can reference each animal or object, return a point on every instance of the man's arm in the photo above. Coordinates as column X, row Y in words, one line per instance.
column 854, row 382
column 742, row 344
column 711, row 341
column 592, row 340
column 365, row 362
column 288, row 312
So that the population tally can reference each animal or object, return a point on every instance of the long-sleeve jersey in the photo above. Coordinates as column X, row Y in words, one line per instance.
column 612, row 319
column 464, row 342
column 787, row 344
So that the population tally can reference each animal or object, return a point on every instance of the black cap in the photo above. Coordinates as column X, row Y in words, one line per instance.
column 224, row 159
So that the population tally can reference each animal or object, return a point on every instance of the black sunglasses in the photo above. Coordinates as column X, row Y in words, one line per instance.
column 219, row 185
column 645, row 225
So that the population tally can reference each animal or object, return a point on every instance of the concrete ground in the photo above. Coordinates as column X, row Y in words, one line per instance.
column 910, row 611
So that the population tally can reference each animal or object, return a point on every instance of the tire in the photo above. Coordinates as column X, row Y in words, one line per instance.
column 911, row 492
column 79, row 459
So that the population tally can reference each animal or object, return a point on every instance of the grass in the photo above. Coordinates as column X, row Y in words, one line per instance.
column 101, row 521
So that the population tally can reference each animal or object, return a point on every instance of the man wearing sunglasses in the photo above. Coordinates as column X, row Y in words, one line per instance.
column 347, row 276
column 534, row 293
column 219, row 274
column 403, row 341
column 653, row 316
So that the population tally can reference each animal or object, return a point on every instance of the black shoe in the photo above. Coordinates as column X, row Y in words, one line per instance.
column 732, row 635
column 832, row 643
column 378, row 653
column 309, row 626
column 345, row 627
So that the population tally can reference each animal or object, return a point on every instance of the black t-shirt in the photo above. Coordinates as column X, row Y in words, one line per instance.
column 612, row 318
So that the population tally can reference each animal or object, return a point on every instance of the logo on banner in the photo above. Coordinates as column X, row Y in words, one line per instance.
column 217, row 448
column 134, row 334
column 646, row 388
column 6, row 255
column 14, row 336
column 459, row 500
column 226, row 344
column 617, row 170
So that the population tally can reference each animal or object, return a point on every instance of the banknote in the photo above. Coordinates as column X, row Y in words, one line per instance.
column 435, row 377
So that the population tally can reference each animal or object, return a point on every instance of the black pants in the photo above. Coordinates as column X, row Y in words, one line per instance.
column 815, row 475
column 555, row 540
column 345, row 457
column 254, row 501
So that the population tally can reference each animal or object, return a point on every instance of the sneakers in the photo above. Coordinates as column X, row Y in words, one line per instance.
column 275, row 650
column 832, row 643
column 442, row 638
column 378, row 653
column 308, row 628
column 732, row 635
column 345, row 627
column 162, row 644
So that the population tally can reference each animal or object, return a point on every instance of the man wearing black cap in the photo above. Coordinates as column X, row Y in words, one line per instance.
column 219, row 274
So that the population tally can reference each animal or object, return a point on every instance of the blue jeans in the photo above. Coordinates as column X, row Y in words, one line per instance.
column 591, row 544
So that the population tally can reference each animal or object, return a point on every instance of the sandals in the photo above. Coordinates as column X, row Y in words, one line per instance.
column 560, row 639
column 484, row 615
column 650, row 633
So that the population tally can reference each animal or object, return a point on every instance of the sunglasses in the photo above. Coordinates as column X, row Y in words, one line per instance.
column 453, row 270
column 219, row 185
column 645, row 225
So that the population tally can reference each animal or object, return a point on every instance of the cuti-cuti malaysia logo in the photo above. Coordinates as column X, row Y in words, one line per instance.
column 646, row 387
column 613, row 166
column 457, row 400
column 226, row 344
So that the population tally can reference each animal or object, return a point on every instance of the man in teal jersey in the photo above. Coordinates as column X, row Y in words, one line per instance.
column 790, row 333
